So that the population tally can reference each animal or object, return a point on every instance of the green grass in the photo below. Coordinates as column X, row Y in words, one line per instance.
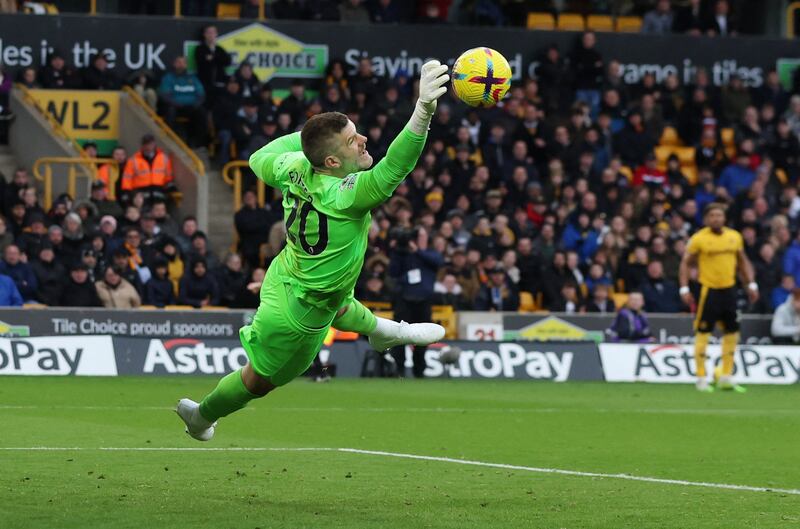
column 662, row 431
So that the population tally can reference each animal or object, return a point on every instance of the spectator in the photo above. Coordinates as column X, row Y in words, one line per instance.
column 631, row 323
column 182, row 95
column 689, row 19
column 600, row 303
column 250, row 86
column 569, row 301
column 649, row 174
column 188, row 229
column 386, row 12
column 19, row 181
column 768, row 276
column 784, row 290
column 141, row 81
column 230, row 279
column 57, row 74
column 413, row 267
column 6, row 237
column 9, row 295
column 660, row 294
column 295, row 104
column 97, row 76
column 200, row 249
column 658, row 21
column 499, row 294
column 115, row 292
column 159, row 290
column 246, row 129
column 100, row 200
column 721, row 22
column 166, row 225
column 198, row 288
column 737, row 177
column 632, row 143
column 587, row 64
column 225, row 114
column 252, row 224
column 785, row 325
column 353, row 12
column 149, row 170
column 50, row 276
column 248, row 296
column 134, row 257
column 211, row 60
column 20, row 272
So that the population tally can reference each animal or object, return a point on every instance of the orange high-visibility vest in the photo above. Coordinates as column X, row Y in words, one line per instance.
column 104, row 174
column 139, row 173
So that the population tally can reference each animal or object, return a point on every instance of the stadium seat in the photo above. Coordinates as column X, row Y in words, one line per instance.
column 599, row 23
column 228, row 10
column 728, row 136
column 526, row 302
column 34, row 306
column 625, row 170
column 620, row 299
column 214, row 307
column 669, row 138
column 148, row 307
column 782, row 176
column 690, row 172
column 544, row 21
column 445, row 316
column 685, row 154
column 628, row 24
column 179, row 307
column 571, row 22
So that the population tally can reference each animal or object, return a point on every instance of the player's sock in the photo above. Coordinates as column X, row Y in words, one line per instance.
column 357, row 318
column 229, row 395
column 700, row 345
column 729, row 342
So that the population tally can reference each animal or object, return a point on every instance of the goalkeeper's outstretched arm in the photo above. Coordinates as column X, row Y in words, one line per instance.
column 262, row 160
column 373, row 187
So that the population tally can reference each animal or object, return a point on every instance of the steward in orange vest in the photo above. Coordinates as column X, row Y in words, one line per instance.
column 148, row 170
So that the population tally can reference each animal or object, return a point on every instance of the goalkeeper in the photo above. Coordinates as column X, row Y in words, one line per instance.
column 328, row 192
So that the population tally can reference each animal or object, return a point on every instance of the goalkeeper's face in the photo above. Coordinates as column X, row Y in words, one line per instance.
column 351, row 150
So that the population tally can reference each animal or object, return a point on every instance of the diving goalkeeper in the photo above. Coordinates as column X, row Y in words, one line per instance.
column 328, row 192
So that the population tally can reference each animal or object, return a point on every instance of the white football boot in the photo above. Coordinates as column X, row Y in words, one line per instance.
column 388, row 334
column 703, row 385
column 197, row 427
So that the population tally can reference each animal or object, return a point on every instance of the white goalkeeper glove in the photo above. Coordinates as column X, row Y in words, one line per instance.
column 432, row 81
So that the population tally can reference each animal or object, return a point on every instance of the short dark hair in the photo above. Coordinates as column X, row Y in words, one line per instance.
column 711, row 206
column 316, row 134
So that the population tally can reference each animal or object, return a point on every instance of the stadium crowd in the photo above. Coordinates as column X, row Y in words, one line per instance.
column 554, row 199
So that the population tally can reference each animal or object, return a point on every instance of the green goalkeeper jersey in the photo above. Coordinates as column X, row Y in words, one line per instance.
column 328, row 218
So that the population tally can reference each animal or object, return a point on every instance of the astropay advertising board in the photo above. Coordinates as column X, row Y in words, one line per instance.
column 58, row 355
column 760, row 364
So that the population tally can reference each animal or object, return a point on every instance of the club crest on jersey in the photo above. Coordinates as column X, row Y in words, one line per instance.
column 348, row 183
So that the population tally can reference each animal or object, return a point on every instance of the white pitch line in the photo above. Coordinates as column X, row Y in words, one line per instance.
column 318, row 409
column 400, row 455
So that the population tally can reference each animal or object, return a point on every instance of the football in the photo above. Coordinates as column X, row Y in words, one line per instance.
column 481, row 77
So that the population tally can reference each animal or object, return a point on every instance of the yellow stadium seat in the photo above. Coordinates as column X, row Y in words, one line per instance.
column 228, row 10
column 620, row 299
column 34, row 306
column 669, row 138
column 571, row 22
column 544, row 21
column 728, row 136
column 628, row 24
column 526, row 302
column 179, row 307
column 782, row 176
column 148, row 307
column 446, row 316
column 214, row 307
column 599, row 23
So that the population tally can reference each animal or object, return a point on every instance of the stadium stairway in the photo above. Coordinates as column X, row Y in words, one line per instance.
column 8, row 162
column 220, row 211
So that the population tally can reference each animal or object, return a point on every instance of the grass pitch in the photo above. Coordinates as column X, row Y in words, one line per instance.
column 660, row 431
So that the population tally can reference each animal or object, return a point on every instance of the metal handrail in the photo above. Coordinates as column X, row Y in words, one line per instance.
column 54, row 124
column 232, row 174
column 199, row 167
column 90, row 166
column 791, row 31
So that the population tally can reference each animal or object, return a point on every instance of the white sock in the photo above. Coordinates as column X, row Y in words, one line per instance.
column 385, row 328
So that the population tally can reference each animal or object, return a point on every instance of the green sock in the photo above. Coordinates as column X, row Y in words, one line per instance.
column 229, row 395
column 357, row 318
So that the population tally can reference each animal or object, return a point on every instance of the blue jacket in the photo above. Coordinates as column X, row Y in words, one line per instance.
column 415, row 273
column 791, row 262
column 584, row 243
column 24, row 279
column 182, row 90
column 9, row 295
column 736, row 179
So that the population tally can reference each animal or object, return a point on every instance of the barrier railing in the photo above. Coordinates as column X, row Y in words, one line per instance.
column 197, row 164
column 233, row 176
column 792, row 19
column 176, row 12
column 58, row 130
column 43, row 172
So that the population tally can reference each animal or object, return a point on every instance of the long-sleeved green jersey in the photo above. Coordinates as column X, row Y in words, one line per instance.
column 328, row 218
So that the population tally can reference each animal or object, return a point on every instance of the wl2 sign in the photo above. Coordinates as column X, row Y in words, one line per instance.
column 85, row 115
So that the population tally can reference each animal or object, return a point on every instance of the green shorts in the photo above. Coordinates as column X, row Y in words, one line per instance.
column 286, row 333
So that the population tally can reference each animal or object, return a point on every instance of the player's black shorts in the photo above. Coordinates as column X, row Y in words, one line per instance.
column 717, row 305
